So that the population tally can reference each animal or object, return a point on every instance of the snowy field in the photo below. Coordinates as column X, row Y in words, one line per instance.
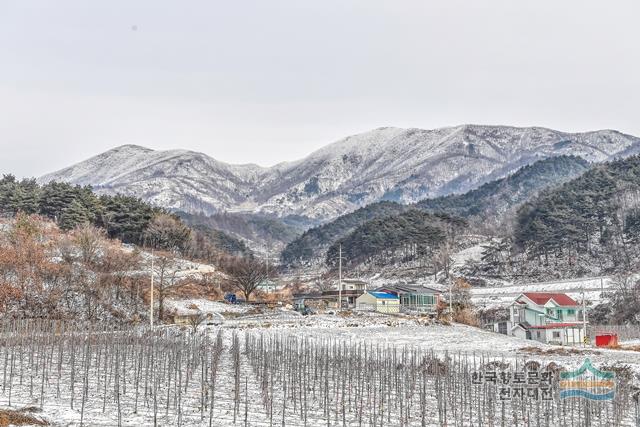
column 278, row 367
column 205, row 306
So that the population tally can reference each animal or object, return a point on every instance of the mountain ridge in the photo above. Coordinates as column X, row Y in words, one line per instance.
column 388, row 163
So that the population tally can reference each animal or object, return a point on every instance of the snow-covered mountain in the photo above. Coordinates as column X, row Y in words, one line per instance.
column 387, row 163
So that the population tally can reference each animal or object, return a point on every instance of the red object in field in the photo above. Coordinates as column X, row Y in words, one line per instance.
column 606, row 340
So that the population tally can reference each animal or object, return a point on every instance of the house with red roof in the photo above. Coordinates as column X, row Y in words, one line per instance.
column 553, row 318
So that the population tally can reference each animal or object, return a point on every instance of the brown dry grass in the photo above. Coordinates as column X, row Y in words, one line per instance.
column 466, row 317
column 9, row 417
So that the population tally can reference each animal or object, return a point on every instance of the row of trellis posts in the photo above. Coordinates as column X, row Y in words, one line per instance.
column 170, row 376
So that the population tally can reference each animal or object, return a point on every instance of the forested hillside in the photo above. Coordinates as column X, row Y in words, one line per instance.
column 592, row 219
column 315, row 241
column 409, row 235
column 125, row 218
column 486, row 205
column 496, row 198
column 258, row 229
column 62, row 257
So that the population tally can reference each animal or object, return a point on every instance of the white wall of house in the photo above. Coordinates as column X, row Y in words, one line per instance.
column 519, row 333
column 565, row 336
column 539, row 335
column 538, row 315
column 367, row 302
column 532, row 316
column 388, row 305
column 354, row 286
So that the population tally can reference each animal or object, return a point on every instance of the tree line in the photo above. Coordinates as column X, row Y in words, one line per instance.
column 486, row 207
column 122, row 217
column 593, row 219
column 409, row 235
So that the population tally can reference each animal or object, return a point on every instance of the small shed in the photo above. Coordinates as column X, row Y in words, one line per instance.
column 607, row 340
column 558, row 333
column 382, row 302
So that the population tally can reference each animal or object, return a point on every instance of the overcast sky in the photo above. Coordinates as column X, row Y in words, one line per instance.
column 266, row 81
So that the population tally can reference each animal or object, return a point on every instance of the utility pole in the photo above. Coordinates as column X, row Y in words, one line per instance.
column 340, row 278
column 451, row 300
column 151, row 305
column 584, row 319
column 267, row 280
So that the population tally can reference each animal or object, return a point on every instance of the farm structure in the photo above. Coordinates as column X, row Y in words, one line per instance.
column 328, row 299
column 314, row 302
column 414, row 298
column 382, row 302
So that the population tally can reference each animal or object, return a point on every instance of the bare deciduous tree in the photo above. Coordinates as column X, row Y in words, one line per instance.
column 165, row 269
column 196, row 320
column 168, row 233
column 244, row 274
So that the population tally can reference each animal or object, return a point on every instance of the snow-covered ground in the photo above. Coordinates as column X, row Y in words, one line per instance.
column 470, row 254
column 418, row 332
column 386, row 331
column 205, row 306
column 502, row 296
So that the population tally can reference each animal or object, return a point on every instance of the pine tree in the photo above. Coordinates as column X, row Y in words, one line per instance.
column 73, row 216
column 56, row 197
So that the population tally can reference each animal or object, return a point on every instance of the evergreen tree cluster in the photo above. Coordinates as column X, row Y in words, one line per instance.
column 596, row 215
column 313, row 241
column 414, row 232
column 498, row 196
column 125, row 218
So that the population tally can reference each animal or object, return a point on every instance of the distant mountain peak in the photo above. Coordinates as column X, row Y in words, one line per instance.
column 386, row 163
column 131, row 147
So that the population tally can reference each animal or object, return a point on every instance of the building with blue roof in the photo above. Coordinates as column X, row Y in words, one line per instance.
column 382, row 302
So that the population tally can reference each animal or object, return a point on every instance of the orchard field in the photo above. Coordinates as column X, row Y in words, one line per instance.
column 338, row 373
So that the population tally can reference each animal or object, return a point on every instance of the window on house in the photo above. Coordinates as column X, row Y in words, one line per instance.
column 571, row 312
column 538, row 334
column 556, row 334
